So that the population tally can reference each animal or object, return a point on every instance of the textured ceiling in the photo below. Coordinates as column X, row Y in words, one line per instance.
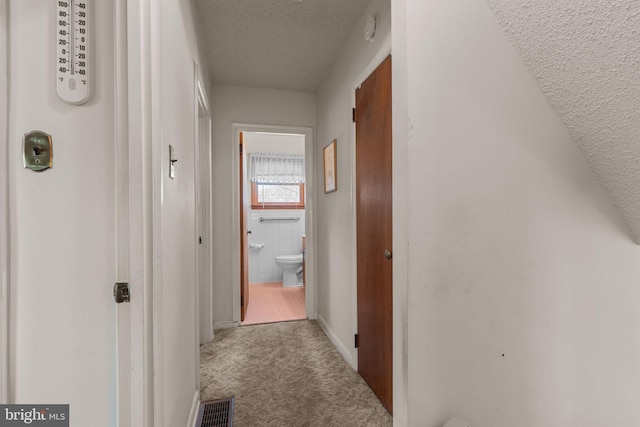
column 280, row 44
column 585, row 55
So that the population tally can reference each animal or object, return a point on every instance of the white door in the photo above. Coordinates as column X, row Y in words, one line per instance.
column 203, row 212
column 63, row 223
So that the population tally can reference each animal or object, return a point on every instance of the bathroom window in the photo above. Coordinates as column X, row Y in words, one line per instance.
column 277, row 196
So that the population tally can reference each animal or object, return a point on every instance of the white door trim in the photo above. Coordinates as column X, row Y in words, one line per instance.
column 123, row 312
column 138, row 212
column 204, row 210
column 4, row 205
column 310, row 209
column 154, row 165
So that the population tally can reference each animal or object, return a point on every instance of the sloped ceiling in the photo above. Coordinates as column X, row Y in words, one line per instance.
column 585, row 56
column 279, row 44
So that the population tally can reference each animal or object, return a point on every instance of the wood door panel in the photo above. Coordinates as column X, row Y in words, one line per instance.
column 374, row 232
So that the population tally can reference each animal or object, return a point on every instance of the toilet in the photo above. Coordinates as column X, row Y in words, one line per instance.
column 290, row 265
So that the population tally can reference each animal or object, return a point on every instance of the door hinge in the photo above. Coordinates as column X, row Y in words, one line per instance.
column 121, row 292
column 355, row 341
column 240, row 148
column 353, row 115
column 241, row 301
column 200, row 239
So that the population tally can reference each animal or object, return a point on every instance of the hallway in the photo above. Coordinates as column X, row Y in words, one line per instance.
column 515, row 171
column 286, row 374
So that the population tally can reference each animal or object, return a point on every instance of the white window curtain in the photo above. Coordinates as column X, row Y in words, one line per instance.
column 276, row 168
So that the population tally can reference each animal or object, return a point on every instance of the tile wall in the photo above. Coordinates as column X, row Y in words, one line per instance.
column 278, row 238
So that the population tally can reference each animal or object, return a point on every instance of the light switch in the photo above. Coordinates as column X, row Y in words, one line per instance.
column 38, row 151
column 172, row 162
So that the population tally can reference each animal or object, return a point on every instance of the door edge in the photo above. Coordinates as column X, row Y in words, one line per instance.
column 204, row 183
column 4, row 208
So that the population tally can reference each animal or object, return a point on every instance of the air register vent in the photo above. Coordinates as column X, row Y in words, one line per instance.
column 215, row 413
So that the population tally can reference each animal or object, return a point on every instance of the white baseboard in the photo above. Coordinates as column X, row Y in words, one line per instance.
column 225, row 325
column 194, row 409
column 336, row 342
column 208, row 337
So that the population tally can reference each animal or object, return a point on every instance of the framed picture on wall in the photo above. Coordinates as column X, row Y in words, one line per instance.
column 330, row 168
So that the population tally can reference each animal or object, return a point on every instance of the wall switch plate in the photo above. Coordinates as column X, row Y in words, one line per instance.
column 172, row 161
column 37, row 151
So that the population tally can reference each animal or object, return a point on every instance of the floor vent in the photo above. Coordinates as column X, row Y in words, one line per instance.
column 215, row 413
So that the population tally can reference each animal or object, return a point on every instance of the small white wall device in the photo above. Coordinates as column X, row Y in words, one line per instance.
column 370, row 27
column 73, row 36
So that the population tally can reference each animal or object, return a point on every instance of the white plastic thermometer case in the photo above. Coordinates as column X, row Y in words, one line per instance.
column 73, row 51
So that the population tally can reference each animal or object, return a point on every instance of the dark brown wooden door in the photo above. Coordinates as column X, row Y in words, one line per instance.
column 374, row 231
column 244, row 240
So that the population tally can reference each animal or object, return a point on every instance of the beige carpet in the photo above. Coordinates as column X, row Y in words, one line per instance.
column 287, row 374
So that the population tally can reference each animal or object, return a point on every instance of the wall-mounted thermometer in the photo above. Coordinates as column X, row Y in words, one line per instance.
column 73, row 37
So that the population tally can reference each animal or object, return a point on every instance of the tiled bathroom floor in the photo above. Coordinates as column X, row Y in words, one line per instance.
column 271, row 302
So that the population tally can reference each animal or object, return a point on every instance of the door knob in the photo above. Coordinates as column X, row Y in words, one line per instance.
column 388, row 254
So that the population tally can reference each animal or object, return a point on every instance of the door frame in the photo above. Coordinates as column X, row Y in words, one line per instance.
column 310, row 208
column 400, row 232
column 138, row 200
column 123, row 311
column 243, row 191
column 385, row 50
column 4, row 206
column 203, row 180
column 382, row 385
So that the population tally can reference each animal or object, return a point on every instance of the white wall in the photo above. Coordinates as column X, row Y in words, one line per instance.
column 62, row 225
column 401, row 207
column 277, row 237
column 273, row 143
column 336, row 248
column 179, row 341
column 235, row 104
column 522, row 283
column 4, row 203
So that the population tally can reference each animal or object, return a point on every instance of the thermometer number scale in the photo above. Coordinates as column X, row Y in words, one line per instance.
column 72, row 60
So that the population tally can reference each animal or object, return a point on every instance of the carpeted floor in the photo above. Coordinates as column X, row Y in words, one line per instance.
column 287, row 375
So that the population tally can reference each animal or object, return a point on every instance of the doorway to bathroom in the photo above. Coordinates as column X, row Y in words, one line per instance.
column 272, row 226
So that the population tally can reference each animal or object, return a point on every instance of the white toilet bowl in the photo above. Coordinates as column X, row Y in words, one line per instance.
column 290, row 265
